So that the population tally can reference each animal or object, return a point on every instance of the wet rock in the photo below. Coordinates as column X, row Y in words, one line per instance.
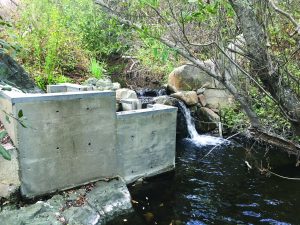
column 205, row 119
column 147, row 92
column 105, row 202
column 190, row 98
column 189, row 77
column 13, row 74
column 84, row 215
column 110, row 199
column 125, row 93
column 171, row 89
column 218, row 98
column 39, row 213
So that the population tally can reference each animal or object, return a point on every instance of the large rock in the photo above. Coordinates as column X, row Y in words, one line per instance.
column 205, row 119
column 189, row 77
column 13, row 74
column 76, row 207
column 190, row 98
column 217, row 98
column 110, row 199
column 125, row 93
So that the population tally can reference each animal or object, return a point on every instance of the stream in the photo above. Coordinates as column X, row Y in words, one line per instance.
column 217, row 189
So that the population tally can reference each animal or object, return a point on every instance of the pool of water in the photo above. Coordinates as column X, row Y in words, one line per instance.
column 218, row 189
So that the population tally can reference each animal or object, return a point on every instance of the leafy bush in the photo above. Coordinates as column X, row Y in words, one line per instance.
column 59, row 38
column 97, row 69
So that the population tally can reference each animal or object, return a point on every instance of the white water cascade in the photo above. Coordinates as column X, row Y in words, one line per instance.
column 200, row 140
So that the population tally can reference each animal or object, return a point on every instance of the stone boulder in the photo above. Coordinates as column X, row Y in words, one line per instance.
column 189, row 77
column 205, row 119
column 217, row 98
column 13, row 74
column 202, row 100
column 190, row 98
column 125, row 93
column 103, row 84
column 105, row 202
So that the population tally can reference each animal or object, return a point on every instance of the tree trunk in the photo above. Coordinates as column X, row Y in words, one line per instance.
column 261, row 63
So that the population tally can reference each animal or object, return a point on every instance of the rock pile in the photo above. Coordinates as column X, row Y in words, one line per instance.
column 203, row 95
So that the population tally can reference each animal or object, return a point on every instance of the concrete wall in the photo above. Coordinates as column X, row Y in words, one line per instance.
column 73, row 138
column 69, row 140
column 146, row 141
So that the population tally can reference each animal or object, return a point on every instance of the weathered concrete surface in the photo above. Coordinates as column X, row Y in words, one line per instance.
column 181, row 129
column 69, row 140
column 146, row 141
column 130, row 104
column 105, row 202
column 67, row 87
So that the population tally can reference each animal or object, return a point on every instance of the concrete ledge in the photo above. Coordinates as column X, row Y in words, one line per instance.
column 67, row 87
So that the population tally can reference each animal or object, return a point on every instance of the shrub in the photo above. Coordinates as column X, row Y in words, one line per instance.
column 60, row 38
column 97, row 69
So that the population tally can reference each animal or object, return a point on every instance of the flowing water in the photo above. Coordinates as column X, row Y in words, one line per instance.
column 199, row 140
column 217, row 189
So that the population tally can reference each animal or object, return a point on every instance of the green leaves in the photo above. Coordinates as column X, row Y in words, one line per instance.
column 4, row 153
column 20, row 114
column 2, row 134
column 152, row 3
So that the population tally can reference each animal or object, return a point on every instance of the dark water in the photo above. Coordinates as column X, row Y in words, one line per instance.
column 216, row 190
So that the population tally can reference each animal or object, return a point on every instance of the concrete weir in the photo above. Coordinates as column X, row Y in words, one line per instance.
column 67, row 139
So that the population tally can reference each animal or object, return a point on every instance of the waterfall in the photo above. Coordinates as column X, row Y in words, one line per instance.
column 200, row 140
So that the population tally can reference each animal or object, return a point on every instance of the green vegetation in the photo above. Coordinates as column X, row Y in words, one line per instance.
column 68, row 41
column 58, row 39
column 97, row 69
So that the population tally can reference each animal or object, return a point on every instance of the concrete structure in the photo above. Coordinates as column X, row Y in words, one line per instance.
column 67, row 87
column 72, row 138
column 130, row 104
column 146, row 141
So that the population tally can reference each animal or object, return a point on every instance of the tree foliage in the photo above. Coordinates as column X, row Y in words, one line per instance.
column 253, row 44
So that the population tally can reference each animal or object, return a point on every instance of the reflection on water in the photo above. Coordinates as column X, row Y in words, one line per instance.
column 216, row 190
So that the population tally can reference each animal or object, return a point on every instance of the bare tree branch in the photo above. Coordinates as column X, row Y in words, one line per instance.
column 287, row 15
